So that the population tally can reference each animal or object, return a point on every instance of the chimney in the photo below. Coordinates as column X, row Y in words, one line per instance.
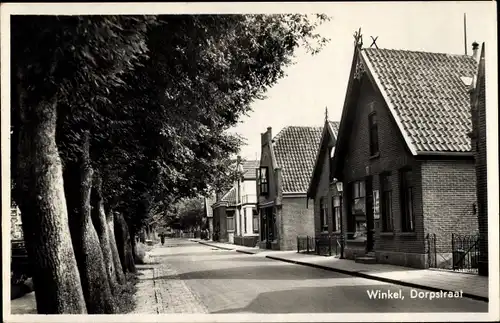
column 266, row 137
column 475, row 51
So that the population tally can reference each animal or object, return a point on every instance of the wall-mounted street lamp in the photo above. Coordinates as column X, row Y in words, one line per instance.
column 340, row 189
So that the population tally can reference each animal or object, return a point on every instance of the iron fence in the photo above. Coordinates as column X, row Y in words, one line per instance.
column 465, row 252
column 461, row 255
column 324, row 245
column 305, row 244
column 431, row 251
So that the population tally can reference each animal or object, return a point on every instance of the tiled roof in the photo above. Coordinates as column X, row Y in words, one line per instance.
column 318, row 166
column 335, row 127
column 295, row 149
column 249, row 167
column 429, row 95
column 230, row 196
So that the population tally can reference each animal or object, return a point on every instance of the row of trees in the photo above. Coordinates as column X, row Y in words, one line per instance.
column 114, row 116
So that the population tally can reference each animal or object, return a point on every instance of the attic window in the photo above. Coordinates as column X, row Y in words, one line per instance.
column 466, row 80
column 263, row 181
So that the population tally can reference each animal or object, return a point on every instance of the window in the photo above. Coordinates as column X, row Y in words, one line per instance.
column 407, row 212
column 263, row 181
column 336, row 213
column 356, row 222
column 386, row 202
column 245, row 220
column 373, row 128
column 358, row 197
column 323, row 215
column 255, row 214
column 230, row 221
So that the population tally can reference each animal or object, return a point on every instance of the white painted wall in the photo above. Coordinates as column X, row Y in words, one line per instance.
column 249, row 220
column 249, row 187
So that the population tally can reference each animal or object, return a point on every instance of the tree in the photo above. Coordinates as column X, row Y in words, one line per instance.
column 193, row 87
column 140, row 105
column 67, row 58
column 190, row 212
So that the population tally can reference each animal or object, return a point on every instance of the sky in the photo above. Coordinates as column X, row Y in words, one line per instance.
column 320, row 81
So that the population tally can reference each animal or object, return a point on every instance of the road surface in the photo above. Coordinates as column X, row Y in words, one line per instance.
column 197, row 278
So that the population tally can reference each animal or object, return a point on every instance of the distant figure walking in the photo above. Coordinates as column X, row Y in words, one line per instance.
column 162, row 238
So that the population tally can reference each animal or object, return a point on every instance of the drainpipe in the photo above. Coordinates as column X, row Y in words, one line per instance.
column 238, row 197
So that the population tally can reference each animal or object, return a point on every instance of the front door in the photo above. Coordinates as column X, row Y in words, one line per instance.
column 370, row 230
column 269, row 227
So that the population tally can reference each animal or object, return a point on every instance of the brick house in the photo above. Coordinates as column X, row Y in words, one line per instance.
column 235, row 217
column 224, row 210
column 247, row 216
column 326, row 212
column 404, row 156
column 286, row 165
column 478, row 142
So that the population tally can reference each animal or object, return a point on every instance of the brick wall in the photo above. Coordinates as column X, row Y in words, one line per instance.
column 296, row 220
column 266, row 161
column 478, row 100
column 449, row 192
column 323, row 191
column 393, row 156
column 220, row 217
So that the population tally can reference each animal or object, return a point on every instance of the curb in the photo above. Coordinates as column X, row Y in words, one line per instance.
column 213, row 246
column 245, row 252
column 382, row 279
column 224, row 248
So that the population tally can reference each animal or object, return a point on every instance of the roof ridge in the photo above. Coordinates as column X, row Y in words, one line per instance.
column 285, row 128
column 415, row 51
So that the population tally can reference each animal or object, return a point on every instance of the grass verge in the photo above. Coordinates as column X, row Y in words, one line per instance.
column 124, row 294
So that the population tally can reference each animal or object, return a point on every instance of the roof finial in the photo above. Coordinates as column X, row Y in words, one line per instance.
column 358, row 38
column 326, row 114
column 374, row 39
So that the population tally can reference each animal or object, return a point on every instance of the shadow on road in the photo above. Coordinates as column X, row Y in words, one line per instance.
column 244, row 258
column 156, row 254
column 258, row 273
column 350, row 299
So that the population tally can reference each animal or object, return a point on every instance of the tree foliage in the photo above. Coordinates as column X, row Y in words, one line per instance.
column 155, row 95
column 201, row 75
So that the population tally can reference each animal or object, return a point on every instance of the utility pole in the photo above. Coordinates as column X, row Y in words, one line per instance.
column 465, row 33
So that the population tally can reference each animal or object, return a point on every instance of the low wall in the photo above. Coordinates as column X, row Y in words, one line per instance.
column 249, row 241
column 274, row 245
column 413, row 260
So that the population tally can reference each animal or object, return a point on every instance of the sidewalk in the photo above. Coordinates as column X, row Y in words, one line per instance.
column 473, row 286
column 160, row 291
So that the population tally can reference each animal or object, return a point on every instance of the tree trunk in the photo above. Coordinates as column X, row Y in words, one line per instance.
column 40, row 196
column 101, row 227
column 133, row 243
column 89, row 256
column 114, row 249
column 124, row 244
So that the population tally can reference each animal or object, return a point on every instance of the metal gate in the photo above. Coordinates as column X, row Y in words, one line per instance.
column 465, row 250
column 462, row 256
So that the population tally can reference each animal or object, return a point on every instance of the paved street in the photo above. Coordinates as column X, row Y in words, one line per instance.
column 194, row 278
